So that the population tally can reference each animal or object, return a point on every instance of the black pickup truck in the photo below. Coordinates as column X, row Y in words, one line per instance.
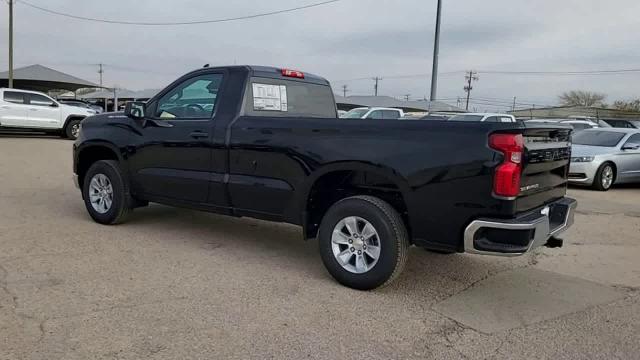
column 266, row 143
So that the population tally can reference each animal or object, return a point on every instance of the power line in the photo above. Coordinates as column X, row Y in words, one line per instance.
column 407, row 76
column 586, row 72
column 195, row 22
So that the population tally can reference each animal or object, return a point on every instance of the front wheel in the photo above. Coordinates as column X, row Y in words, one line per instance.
column 363, row 242
column 605, row 177
column 72, row 130
column 106, row 193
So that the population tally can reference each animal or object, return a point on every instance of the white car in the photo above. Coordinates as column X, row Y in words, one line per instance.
column 484, row 117
column 32, row 110
column 374, row 113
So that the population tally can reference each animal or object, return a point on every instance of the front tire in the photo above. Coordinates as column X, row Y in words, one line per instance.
column 72, row 129
column 363, row 242
column 605, row 177
column 106, row 193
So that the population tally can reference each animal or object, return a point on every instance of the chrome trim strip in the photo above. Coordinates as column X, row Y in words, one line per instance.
column 75, row 181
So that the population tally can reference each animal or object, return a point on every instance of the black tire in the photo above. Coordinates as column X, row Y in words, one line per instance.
column 122, row 202
column 69, row 129
column 599, row 182
column 392, row 237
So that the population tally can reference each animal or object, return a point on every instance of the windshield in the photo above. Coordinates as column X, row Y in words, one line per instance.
column 598, row 138
column 355, row 114
column 466, row 118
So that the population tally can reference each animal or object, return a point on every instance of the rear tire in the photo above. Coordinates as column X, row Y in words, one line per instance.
column 605, row 177
column 340, row 244
column 72, row 129
column 106, row 193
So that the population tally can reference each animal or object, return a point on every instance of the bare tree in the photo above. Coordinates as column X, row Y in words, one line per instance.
column 631, row 105
column 582, row 98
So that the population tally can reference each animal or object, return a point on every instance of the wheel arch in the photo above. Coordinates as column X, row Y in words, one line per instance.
column 72, row 117
column 89, row 153
column 340, row 180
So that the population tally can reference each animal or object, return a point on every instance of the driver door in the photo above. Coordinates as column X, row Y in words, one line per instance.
column 174, row 160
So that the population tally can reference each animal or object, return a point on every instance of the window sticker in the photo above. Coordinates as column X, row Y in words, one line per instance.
column 269, row 97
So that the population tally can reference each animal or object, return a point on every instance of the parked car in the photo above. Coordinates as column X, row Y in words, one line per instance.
column 81, row 104
column 622, row 123
column 273, row 148
column 34, row 111
column 603, row 157
column 484, row 117
column 373, row 113
column 578, row 125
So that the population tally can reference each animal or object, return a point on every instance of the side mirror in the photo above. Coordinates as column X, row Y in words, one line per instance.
column 135, row 109
column 630, row 146
column 53, row 105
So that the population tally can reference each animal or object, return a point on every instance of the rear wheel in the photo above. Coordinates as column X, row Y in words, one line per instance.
column 106, row 193
column 363, row 242
column 605, row 177
column 72, row 130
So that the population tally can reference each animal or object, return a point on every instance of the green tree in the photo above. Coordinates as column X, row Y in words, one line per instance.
column 582, row 98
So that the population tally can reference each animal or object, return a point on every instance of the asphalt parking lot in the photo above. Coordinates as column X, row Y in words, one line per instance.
column 180, row 284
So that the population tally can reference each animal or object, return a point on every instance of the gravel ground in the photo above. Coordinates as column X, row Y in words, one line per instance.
column 179, row 284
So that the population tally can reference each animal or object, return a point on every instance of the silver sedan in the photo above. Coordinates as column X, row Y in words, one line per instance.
column 603, row 157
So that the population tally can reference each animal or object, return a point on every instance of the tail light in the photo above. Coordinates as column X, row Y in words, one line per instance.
column 507, row 176
column 292, row 73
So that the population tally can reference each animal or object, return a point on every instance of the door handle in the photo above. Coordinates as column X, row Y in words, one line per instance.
column 199, row 134
column 33, row 109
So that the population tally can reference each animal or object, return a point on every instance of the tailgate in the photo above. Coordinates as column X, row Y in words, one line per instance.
column 546, row 165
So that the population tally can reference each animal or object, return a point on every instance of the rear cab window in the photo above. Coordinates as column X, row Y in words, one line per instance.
column 14, row 97
column 270, row 97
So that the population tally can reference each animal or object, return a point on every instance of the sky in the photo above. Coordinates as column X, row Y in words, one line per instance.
column 348, row 42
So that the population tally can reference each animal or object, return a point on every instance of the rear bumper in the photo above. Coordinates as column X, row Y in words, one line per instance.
column 518, row 236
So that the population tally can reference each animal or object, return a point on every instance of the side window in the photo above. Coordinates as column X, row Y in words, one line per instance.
column 14, row 97
column 580, row 126
column 376, row 114
column 634, row 139
column 40, row 100
column 391, row 114
column 194, row 98
column 492, row 119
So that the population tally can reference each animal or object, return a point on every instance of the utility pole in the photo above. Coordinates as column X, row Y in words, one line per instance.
column 10, row 44
column 513, row 108
column 100, row 71
column 406, row 97
column 436, row 50
column 375, row 87
column 470, row 77
column 345, row 89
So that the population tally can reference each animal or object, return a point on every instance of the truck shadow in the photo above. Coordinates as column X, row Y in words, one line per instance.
column 434, row 276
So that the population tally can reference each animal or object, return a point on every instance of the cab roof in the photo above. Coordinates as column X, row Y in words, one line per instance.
column 271, row 72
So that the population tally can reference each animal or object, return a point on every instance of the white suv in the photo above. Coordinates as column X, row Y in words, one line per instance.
column 374, row 113
column 31, row 110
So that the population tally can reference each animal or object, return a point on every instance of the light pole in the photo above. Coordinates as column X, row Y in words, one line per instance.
column 10, row 44
column 436, row 50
